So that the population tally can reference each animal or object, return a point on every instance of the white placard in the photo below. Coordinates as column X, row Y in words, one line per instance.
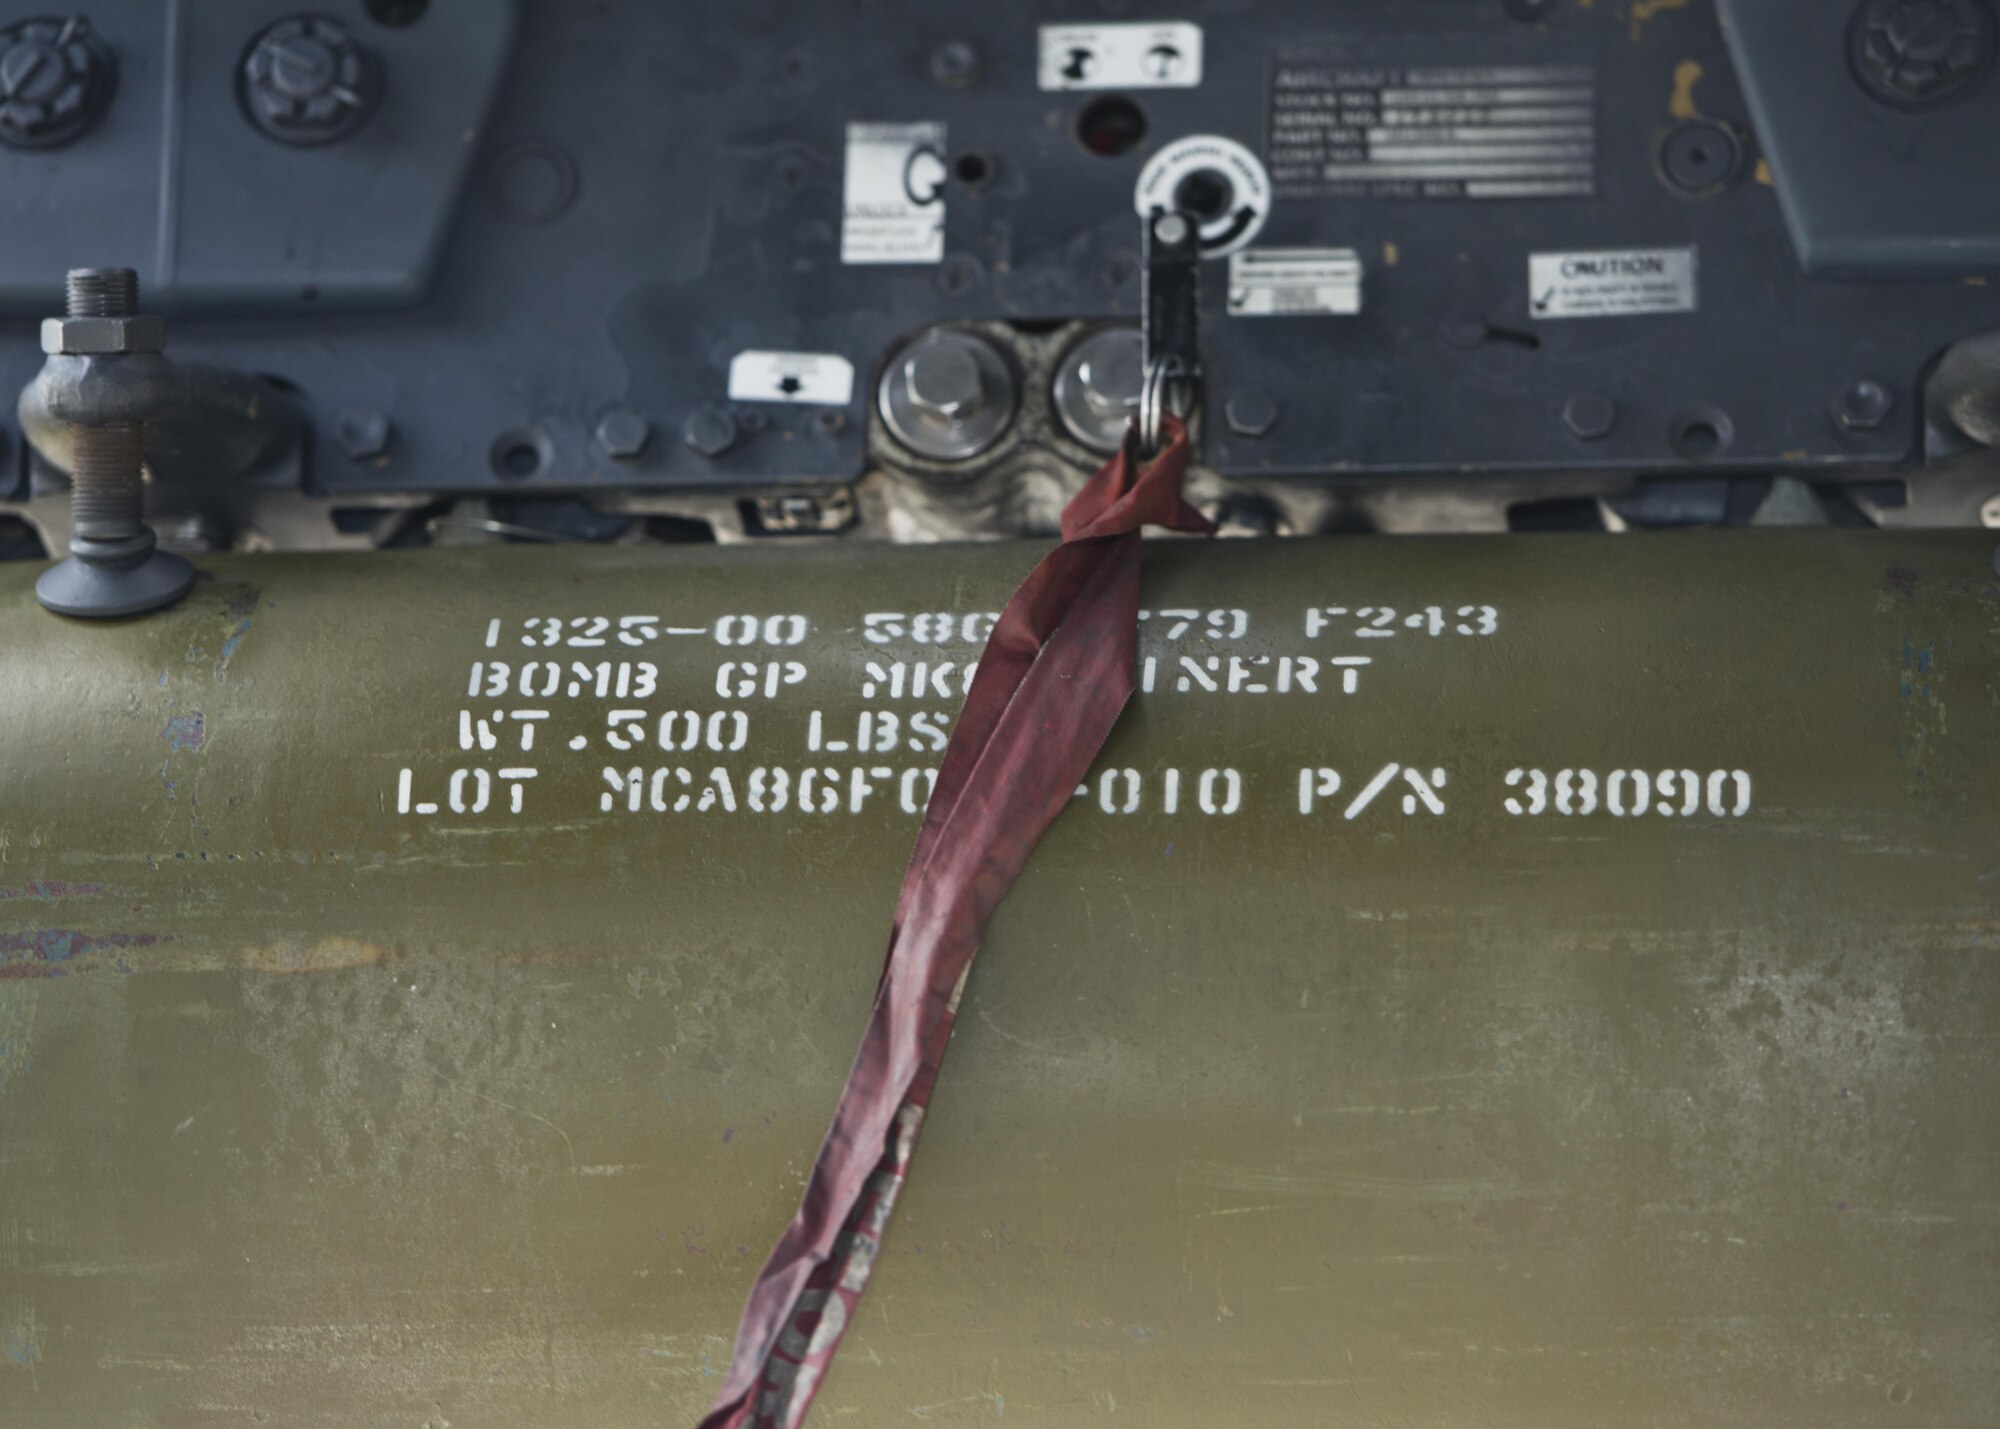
column 1613, row 283
column 893, row 209
column 1294, row 282
column 820, row 379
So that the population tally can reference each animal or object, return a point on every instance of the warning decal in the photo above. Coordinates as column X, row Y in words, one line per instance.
column 1619, row 283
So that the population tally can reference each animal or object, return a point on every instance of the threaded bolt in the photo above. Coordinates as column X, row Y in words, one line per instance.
column 103, row 293
column 107, row 466
column 107, row 498
column 114, row 565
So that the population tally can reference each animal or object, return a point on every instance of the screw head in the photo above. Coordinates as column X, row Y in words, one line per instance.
column 1590, row 416
column 56, row 80
column 710, row 431
column 1864, row 406
column 955, row 64
column 307, row 81
column 1252, row 413
column 364, row 435
column 1989, row 517
column 1915, row 53
column 623, row 434
column 1170, row 229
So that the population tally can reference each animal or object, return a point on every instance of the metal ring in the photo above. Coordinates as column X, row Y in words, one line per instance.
column 1157, row 396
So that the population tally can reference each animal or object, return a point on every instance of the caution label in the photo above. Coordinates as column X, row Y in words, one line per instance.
column 1614, row 283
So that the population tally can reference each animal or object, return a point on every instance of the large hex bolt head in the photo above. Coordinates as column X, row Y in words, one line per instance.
column 943, row 381
column 307, row 81
column 948, row 395
column 56, row 81
column 1913, row 53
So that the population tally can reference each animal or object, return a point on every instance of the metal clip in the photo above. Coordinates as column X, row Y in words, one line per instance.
column 1170, row 320
column 1167, row 389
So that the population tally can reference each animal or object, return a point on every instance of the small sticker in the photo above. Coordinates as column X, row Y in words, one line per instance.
column 1294, row 282
column 820, row 379
column 893, row 211
column 1612, row 284
column 1166, row 56
column 1213, row 177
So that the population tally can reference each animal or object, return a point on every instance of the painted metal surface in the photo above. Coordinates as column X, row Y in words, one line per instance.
column 317, row 1112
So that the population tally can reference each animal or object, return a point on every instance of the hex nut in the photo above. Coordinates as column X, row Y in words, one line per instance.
column 1864, row 406
column 363, row 435
column 623, row 434
column 100, row 337
column 710, row 431
column 1251, row 414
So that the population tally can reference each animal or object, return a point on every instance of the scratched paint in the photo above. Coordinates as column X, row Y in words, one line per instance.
column 1364, row 1123
column 186, row 731
column 242, row 607
column 50, row 889
column 1681, row 105
column 46, row 952
column 17, row 1030
column 21, row 1340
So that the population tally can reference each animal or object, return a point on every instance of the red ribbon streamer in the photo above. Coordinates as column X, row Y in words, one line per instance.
column 1052, row 681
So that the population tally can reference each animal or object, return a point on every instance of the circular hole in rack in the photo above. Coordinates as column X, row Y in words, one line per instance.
column 1111, row 125
column 972, row 169
column 519, row 455
column 1702, row 432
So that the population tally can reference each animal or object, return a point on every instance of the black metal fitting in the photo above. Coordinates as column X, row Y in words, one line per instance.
column 306, row 81
column 1916, row 53
column 114, row 565
column 56, row 80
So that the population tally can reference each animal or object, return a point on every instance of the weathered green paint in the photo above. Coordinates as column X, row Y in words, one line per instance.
column 311, row 1113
